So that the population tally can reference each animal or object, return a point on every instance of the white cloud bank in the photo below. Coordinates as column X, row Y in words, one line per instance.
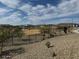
column 35, row 14
column 40, row 12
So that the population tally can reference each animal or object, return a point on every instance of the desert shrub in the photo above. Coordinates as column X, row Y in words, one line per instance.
column 54, row 54
column 48, row 44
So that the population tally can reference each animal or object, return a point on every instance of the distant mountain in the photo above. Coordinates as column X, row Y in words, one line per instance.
column 68, row 24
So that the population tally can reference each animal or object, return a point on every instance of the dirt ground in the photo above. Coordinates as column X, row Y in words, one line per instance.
column 64, row 47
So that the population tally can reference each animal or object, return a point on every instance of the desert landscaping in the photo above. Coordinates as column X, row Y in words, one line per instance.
column 54, row 42
column 63, row 47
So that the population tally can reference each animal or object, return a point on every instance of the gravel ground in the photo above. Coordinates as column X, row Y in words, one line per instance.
column 64, row 47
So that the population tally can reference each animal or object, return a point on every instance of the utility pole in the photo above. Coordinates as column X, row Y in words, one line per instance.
column 72, row 23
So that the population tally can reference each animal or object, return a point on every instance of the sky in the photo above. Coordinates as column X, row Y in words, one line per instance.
column 23, row 12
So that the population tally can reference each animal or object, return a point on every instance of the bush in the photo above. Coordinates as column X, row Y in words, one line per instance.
column 48, row 44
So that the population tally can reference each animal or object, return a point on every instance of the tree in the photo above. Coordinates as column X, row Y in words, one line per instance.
column 4, row 35
column 15, row 32
column 45, row 30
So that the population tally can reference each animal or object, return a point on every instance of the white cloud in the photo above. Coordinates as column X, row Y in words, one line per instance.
column 13, row 19
column 69, row 6
column 26, row 8
column 69, row 20
column 10, row 3
column 2, row 11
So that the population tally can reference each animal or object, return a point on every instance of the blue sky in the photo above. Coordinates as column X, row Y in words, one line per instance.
column 42, row 2
column 23, row 12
